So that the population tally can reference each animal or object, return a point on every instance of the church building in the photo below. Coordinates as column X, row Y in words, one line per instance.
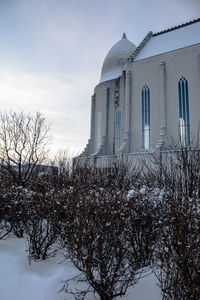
column 147, row 94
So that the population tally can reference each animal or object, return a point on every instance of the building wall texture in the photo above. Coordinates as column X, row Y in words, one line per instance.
column 160, row 73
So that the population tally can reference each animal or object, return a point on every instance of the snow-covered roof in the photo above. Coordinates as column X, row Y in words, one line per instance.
column 111, row 75
column 172, row 39
column 116, row 58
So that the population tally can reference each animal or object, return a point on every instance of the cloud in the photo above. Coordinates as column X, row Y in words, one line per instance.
column 64, row 101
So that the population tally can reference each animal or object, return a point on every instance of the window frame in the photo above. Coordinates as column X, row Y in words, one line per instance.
column 145, row 117
column 184, row 111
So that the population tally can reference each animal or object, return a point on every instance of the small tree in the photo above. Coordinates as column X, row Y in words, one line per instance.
column 23, row 144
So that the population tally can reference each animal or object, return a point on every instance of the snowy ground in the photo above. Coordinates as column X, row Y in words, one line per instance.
column 42, row 280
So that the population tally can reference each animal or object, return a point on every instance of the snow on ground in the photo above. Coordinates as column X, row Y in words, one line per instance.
column 42, row 280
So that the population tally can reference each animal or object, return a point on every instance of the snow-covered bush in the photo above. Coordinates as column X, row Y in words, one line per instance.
column 15, row 202
column 176, row 260
column 105, row 236
column 142, row 227
column 41, row 228
column 177, row 252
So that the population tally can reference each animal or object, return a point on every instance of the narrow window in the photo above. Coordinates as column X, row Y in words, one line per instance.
column 184, row 115
column 145, row 117
column 117, row 129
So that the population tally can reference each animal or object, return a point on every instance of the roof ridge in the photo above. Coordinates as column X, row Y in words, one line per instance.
column 177, row 27
column 141, row 45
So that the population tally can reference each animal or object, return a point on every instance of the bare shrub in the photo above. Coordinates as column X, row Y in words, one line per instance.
column 177, row 173
column 178, row 249
column 15, row 199
column 59, row 175
column 98, row 240
column 177, row 169
column 40, row 228
column 142, row 229
column 119, row 174
column 94, row 240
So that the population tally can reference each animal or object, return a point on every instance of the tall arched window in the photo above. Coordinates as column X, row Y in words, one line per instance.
column 184, row 114
column 145, row 117
column 118, row 121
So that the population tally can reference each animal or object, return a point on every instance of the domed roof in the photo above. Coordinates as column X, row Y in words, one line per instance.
column 116, row 58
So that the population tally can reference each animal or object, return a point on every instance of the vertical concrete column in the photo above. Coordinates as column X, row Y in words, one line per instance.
column 127, row 101
column 162, row 104
column 123, row 98
column 129, row 110
column 93, row 119
column 128, row 113
column 199, row 64
column 107, row 118
column 107, row 110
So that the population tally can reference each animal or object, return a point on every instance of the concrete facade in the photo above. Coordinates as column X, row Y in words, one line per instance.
column 155, row 97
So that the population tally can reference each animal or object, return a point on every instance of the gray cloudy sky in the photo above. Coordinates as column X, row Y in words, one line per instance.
column 52, row 51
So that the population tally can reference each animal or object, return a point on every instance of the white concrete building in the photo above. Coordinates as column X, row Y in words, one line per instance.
column 147, row 94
